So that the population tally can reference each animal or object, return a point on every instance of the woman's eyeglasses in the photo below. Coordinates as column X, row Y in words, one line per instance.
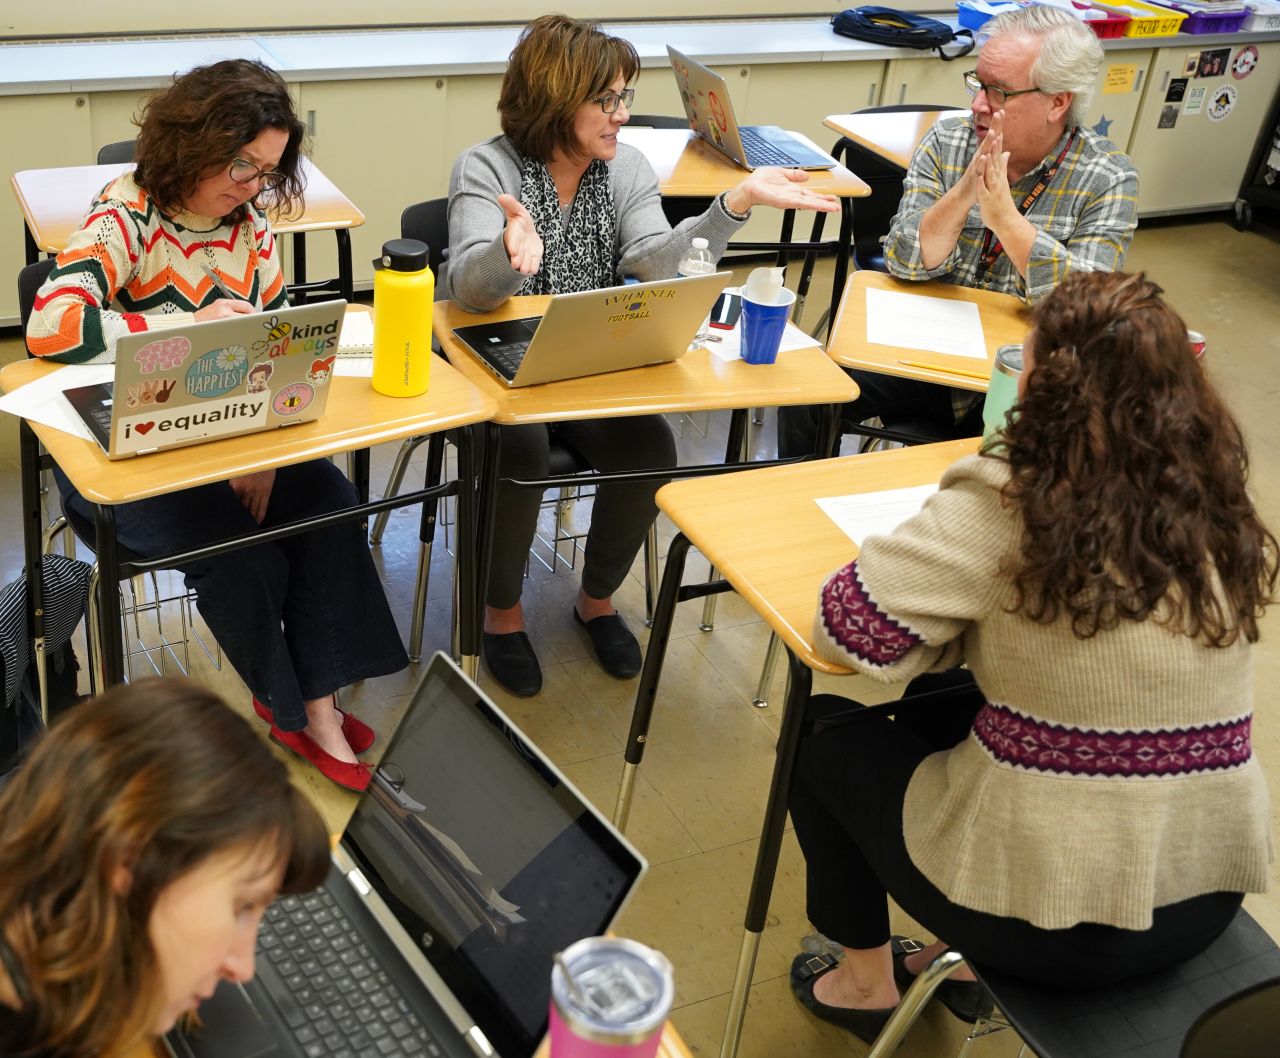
column 610, row 101
column 243, row 171
column 996, row 95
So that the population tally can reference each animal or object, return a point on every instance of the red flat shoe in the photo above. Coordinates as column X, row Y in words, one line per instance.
column 359, row 735
column 352, row 776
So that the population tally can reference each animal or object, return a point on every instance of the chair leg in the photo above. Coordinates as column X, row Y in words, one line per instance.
column 650, row 572
column 922, row 988
column 97, row 672
column 761, row 700
column 426, row 536
column 394, row 482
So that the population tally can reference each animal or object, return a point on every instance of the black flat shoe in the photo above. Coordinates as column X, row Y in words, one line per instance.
column 865, row 1024
column 968, row 1000
column 511, row 659
column 616, row 648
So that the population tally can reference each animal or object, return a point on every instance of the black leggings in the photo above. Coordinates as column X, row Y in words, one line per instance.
column 846, row 804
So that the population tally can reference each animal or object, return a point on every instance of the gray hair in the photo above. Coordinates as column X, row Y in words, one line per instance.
column 1070, row 55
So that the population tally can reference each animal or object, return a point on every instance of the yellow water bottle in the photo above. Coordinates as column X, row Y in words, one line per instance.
column 403, row 292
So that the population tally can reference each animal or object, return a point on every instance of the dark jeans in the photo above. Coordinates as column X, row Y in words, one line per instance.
column 621, row 513
column 298, row 618
column 846, row 804
column 885, row 397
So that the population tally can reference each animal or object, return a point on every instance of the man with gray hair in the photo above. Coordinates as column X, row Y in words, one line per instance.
column 1010, row 197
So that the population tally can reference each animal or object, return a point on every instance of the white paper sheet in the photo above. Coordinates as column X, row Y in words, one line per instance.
column 874, row 513
column 353, row 367
column 42, row 401
column 915, row 321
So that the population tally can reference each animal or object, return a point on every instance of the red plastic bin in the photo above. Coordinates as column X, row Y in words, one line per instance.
column 1105, row 28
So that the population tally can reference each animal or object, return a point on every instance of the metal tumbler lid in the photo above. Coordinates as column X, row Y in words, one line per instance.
column 404, row 255
column 1009, row 360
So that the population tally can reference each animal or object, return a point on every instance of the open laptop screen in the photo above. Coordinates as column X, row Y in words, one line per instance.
column 489, row 859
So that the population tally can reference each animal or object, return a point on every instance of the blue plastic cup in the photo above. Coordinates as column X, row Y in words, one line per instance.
column 762, row 327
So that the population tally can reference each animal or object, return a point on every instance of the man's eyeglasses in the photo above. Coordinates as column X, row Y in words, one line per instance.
column 610, row 101
column 996, row 95
column 243, row 171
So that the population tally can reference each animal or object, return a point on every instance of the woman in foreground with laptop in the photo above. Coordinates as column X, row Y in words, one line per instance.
column 305, row 616
column 1082, row 805
column 141, row 843
column 555, row 205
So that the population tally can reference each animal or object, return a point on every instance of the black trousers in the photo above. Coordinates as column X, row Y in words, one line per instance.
column 846, row 804
column 880, row 396
column 620, row 516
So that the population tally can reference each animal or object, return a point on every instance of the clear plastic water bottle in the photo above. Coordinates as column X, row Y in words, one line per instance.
column 698, row 261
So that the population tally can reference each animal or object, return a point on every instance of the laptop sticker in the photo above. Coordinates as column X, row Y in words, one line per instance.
column 260, row 377
column 153, row 391
column 293, row 399
column 158, row 426
column 218, row 372
column 321, row 370
column 283, row 339
column 166, row 354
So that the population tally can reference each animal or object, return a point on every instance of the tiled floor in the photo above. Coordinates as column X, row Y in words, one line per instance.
column 703, row 785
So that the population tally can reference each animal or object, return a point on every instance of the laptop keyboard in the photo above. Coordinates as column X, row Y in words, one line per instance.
column 505, row 356
column 344, row 1004
column 760, row 151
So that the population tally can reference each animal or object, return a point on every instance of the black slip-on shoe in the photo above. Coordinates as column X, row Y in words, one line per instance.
column 865, row 1024
column 968, row 1000
column 617, row 650
column 511, row 659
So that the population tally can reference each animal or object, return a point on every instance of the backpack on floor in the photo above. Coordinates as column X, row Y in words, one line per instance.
column 900, row 29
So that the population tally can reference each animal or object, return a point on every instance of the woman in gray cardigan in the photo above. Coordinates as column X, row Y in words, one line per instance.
column 556, row 205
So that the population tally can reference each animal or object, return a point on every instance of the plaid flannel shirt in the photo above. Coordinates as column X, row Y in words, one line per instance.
column 1084, row 219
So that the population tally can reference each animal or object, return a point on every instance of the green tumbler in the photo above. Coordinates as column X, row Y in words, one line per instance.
column 1002, row 393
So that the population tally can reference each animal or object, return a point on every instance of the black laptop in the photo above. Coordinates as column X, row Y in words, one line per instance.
column 469, row 862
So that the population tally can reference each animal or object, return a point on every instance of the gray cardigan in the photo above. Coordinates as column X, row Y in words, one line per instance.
column 480, row 275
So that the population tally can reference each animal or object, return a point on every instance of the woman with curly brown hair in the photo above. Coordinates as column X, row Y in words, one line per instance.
column 1082, row 805
column 141, row 844
column 302, row 617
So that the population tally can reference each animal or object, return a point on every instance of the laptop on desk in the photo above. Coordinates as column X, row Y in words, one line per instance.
column 595, row 331
column 186, row 385
column 705, row 95
column 468, row 864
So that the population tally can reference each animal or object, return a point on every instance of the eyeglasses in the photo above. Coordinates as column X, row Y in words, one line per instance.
column 243, row 171
column 996, row 95
column 610, row 101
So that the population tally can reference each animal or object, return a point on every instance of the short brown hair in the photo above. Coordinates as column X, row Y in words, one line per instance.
column 153, row 778
column 203, row 119
column 1130, row 473
column 558, row 64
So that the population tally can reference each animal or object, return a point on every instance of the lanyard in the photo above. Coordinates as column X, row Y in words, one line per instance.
column 991, row 247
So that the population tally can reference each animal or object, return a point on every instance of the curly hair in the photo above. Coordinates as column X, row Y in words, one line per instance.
column 152, row 779
column 201, row 122
column 558, row 64
column 1130, row 473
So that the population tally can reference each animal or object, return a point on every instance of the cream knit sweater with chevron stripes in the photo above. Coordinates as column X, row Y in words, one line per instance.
column 1106, row 777
column 131, row 268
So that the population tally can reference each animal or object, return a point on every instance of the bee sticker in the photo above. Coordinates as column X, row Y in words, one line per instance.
column 276, row 340
column 293, row 399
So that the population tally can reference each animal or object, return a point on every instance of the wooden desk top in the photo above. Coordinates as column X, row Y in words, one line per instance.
column 698, row 381
column 777, row 554
column 1005, row 320
column 893, row 136
column 355, row 417
column 688, row 168
column 55, row 201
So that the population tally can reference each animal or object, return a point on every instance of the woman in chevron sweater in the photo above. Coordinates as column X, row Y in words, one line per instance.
column 301, row 617
column 1082, row 805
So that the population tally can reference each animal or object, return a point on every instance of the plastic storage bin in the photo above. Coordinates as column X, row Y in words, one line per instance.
column 1205, row 20
column 1153, row 22
column 1105, row 28
column 1261, row 17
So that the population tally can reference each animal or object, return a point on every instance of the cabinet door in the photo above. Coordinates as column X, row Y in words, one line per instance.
column 927, row 79
column 39, row 132
column 379, row 142
column 1118, row 94
column 1192, row 152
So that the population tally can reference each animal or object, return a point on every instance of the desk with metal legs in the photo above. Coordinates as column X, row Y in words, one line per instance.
column 776, row 558
column 356, row 417
column 698, row 381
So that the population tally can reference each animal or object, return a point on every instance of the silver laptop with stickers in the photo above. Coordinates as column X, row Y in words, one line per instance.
column 204, row 381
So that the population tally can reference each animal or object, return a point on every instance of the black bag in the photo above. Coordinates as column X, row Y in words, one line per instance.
column 900, row 29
